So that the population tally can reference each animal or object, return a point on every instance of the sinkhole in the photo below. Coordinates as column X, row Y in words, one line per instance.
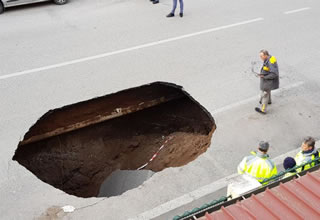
column 95, row 148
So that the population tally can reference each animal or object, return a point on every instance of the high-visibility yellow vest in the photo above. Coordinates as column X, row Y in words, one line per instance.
column 302, row 158
column 258, row 165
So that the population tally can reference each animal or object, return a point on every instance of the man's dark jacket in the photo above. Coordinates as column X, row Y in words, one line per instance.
column 270, row 70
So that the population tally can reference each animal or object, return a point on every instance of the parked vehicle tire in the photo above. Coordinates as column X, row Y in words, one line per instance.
column 60, row 2
column 1, row 7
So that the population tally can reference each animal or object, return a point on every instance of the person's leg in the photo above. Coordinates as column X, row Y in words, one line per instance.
column 181, row 6
column 269, row 102
column 175, row 2
column 261, row 96
column 265, row 100
column 171, row 14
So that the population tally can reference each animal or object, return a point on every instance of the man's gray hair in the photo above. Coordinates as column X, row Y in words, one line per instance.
column 264, row 146
column 264, row 52
column 309, row 141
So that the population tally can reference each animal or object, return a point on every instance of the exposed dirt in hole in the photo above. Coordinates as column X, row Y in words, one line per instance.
column 78, row 162
column 93, row 111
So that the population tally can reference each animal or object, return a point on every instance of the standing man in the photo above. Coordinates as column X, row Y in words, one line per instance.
column 258, row 164
column 307, row 153
column 269, row 80
column 175, row 2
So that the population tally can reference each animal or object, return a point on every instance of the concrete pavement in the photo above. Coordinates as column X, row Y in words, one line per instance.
column 213, row 66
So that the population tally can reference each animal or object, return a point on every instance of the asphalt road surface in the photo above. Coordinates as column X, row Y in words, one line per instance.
column 52, row 55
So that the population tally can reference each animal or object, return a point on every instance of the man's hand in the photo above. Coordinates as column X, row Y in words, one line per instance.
column 261, row 75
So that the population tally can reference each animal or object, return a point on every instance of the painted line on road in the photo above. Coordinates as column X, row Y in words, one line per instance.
column 201, row 192
column 296, row 10
column 248, row 100
column 108, row 54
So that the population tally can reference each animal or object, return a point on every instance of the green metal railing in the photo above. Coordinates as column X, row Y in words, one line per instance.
column 224, row 198
column 202, row 208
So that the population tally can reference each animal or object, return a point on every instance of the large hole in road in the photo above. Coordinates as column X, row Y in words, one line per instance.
column 77, row 147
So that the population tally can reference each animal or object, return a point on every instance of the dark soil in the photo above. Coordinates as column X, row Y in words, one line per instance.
column 79, row 161
column 106, row 105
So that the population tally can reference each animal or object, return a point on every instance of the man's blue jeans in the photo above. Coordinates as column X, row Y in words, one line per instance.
column 175, row 2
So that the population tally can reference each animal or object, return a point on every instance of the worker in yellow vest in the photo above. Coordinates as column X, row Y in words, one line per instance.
column 307, row 153
column 258, row 164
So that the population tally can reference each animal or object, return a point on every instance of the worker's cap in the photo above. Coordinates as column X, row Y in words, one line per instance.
column 289, row 162
column 264, row 146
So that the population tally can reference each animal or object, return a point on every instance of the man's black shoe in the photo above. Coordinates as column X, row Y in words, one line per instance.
column 181, row 15
column 259, row 110
column 170, row 15
column 155, row 2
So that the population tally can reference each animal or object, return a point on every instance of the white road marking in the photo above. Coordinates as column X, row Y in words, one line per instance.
column 245, row 101
column 201, row 192
column 108, row 54
column 296, row 10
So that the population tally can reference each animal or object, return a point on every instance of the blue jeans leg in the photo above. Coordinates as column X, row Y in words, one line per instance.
column 175, row 2
column 181, row 6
